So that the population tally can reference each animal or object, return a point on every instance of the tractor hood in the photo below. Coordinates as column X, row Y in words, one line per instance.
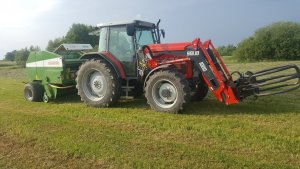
column 169, row 47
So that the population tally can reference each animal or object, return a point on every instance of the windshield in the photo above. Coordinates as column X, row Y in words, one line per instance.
column 144, row 37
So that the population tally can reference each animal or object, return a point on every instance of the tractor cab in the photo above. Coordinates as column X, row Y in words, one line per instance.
column 123, row 39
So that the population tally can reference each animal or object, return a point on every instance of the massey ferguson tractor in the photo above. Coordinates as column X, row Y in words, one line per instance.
column 131, row 60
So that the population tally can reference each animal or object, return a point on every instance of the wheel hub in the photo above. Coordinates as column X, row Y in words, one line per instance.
column 28, row 94
column 96, row 82
column 95, row 85
column 167, row 92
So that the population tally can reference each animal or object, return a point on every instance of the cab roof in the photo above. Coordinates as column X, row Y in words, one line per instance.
column 136, row 22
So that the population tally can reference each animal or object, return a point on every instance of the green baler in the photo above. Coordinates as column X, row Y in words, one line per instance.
column 53, row 73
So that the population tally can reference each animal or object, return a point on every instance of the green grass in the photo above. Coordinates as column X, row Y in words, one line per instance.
column 263, row 133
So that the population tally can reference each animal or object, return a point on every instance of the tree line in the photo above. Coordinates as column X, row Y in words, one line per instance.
column 20, row 56
column 78, row 33
column 226, row 50
column 278, row 41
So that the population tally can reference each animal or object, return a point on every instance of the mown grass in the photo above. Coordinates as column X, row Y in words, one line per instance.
column 263, row 133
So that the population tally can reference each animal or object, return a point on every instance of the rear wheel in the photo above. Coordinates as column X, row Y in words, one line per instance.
column 167, row 91
column 33, row 92
column 98, row 84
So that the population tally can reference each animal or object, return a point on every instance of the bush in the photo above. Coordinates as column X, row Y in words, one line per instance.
column 21, row 57
column 78, row 33
column 10, row 56
column 279, row 41
column 53, row 44
column 226, row 50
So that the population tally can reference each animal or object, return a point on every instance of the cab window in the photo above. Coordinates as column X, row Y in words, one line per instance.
column 121, row 46
column 103, row 39
column 144, row 37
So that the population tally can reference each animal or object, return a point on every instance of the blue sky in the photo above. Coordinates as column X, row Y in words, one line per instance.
column 35, row 22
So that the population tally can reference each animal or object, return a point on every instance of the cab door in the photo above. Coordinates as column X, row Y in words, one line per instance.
column 121, row 46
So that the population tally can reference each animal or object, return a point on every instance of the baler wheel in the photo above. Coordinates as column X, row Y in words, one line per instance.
column 33, row 92
column 98, row 84
column 167, row 91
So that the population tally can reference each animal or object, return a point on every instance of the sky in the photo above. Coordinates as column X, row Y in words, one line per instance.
column 35, row 22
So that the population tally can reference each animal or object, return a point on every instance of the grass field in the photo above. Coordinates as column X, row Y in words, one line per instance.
column 263, row 133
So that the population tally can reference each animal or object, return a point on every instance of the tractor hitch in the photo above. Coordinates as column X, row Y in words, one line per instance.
column 267, row 82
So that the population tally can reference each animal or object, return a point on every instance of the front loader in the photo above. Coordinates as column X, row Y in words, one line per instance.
column 219, row 80
column 131, row 60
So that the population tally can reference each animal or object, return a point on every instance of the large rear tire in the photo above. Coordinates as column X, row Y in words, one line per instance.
column 98, row 84
column 33, row 92
column 167, row 91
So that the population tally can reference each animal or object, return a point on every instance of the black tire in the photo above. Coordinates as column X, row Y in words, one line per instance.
column 167, row 91
column 105, row 83
column 33, row 92
column 200, row 92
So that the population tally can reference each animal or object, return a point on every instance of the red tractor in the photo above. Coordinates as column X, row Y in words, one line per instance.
column 131, row 60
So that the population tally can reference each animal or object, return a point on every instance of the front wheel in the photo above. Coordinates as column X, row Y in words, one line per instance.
column 167, row 91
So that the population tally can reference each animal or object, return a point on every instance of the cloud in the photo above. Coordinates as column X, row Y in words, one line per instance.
column 46, row 6
column 19, row 13
column 138, row 16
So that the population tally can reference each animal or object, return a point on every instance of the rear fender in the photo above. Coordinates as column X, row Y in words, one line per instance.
column 110, row 59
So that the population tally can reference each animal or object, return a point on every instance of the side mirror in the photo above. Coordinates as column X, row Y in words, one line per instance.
column 130, row 29
column 163, row 33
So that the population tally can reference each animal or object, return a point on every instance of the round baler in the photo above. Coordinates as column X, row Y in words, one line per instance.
column 53, row 73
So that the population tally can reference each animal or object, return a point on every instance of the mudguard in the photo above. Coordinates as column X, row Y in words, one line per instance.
column 114, row 62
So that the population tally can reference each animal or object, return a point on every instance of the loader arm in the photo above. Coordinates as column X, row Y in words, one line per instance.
column 214, row 72
column 267, row 82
